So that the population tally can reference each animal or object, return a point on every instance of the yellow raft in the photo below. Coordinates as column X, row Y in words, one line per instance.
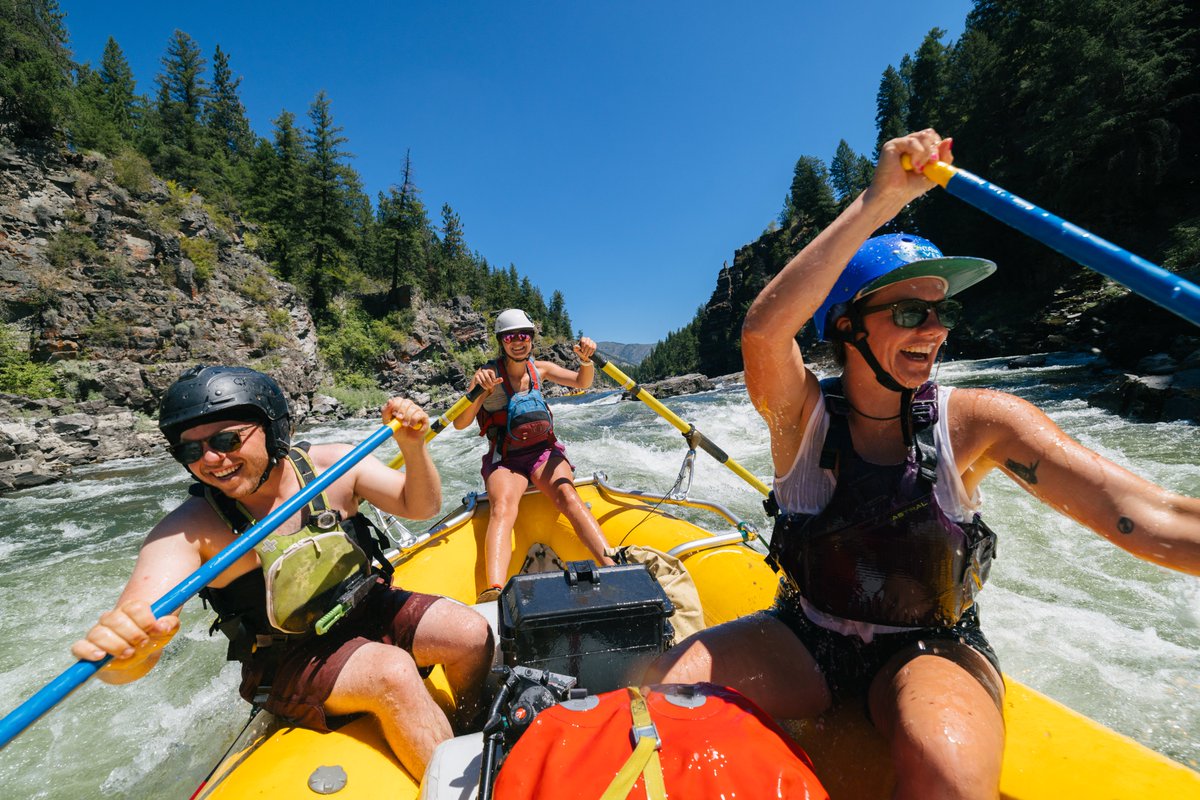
column 1052, row 752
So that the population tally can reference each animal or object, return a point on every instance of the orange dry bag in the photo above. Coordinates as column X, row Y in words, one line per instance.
column 678, row 741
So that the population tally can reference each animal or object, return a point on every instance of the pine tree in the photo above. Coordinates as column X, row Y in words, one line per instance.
column 91, row 126
column 180, row 101
column 810, row 204
column 556, row 314
column 276, row 203
column 120, row 89
column 404, row 235
column 327, row 221
column 849, row 173
column 35, row 68
column 928, row 82
column 224, row 114
column 891, row 108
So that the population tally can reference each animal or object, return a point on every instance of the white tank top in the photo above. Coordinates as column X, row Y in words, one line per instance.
column 807, row 489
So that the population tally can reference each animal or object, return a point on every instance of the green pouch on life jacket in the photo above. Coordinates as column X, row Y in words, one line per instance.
column 318, row 573
column 308, row 572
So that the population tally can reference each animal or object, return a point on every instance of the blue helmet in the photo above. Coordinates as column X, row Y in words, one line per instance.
column 892, row 258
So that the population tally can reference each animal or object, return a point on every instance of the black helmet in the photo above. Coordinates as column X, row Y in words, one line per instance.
column 209, row 394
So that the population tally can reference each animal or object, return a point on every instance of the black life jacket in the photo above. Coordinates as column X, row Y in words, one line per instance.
column 524, row 422
column 883, row 551
column 241, row 606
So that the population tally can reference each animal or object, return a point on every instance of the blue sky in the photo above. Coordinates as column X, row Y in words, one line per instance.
column 618, row 151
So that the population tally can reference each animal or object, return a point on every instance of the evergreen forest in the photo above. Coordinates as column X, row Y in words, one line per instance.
column 295, row 189
column 1089, row 108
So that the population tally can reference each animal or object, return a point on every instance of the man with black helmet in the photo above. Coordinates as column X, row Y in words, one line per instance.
column 231, row 429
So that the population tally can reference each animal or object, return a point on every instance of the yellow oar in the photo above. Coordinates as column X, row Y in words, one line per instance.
column 440, row 424
column 694, row 437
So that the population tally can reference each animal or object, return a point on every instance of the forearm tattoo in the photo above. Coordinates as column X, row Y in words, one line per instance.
column 1027, row 474
column 1125, row 525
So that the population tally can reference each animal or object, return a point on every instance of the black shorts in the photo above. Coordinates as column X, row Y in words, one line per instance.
column 849, row 664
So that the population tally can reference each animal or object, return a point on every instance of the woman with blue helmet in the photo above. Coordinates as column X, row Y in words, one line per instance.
column 879, row 539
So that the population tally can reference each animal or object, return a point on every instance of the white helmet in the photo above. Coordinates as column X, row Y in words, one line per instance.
column 513, row 319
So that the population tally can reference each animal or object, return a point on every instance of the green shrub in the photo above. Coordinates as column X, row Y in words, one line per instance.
column 28, row 379
column 105, row 330
column 271, row 340
column 115, row 272
column 68, row 247
column 356, row 391
column 202, row 253
column 72, row 377
column 257, row 289
column 220, row 218
column 249, row 331
column 132, row 172
column 269, row 363
column 279, row 319
column 166, row 271
column 19, row 375
column 472, row 358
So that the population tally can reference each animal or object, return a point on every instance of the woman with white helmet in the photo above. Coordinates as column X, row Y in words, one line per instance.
column 515, row 418
column 879, row 539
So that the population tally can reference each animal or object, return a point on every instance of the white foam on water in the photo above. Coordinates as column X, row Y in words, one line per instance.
column 1070, row 615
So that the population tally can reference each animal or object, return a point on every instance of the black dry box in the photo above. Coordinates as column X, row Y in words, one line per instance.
column 602, row 625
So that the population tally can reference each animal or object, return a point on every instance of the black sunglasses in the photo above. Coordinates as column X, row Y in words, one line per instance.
column 229, row 441
column 913, row 313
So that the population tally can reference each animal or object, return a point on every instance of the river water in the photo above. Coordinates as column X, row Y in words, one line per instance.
column 1069, row 614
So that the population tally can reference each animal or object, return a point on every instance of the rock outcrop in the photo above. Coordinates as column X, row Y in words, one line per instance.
column 127, row 280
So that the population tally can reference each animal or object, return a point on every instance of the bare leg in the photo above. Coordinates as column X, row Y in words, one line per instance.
column 944, row 726
column 383, row 681
column 756, row 655
column 461, row 641
column 556, row 480
column 504, row 488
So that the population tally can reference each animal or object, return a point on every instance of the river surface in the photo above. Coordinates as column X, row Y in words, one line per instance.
column 1069, row 614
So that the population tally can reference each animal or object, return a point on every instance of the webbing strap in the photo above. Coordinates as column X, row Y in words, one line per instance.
column 644, row 759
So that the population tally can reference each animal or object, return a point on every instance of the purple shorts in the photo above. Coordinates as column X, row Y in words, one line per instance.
column 525, row 461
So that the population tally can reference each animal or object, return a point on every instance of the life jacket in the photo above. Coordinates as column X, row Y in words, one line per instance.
column 678, row 740
column 309, row 579
column 524, row 422
column 883, row 551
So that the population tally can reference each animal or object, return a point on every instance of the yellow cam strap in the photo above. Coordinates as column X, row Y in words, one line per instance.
column 643, row 760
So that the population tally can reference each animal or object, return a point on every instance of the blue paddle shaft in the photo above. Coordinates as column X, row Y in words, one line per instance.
column 1149, row 280
column 72, row 678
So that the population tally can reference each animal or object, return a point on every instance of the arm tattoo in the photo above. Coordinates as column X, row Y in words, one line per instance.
column 1125, row 525
column 1027, row 474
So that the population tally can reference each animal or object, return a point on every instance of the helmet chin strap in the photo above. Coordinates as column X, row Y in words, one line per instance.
column 857, row 338
column 272, row 461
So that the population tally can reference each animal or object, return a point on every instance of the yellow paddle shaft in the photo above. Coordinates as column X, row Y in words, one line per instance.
column 441, row 423
column 686, row 428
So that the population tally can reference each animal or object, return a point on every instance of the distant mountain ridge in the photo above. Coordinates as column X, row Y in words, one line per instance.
column 624, row 354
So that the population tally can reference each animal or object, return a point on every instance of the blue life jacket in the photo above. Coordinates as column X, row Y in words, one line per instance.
column 524, row 422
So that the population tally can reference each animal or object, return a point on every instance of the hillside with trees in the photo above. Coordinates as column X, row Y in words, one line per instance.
column 362, row 266
column 1089, row 108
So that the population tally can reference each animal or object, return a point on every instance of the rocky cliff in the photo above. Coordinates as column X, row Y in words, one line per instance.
column 125, row 281
column 122, row 281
